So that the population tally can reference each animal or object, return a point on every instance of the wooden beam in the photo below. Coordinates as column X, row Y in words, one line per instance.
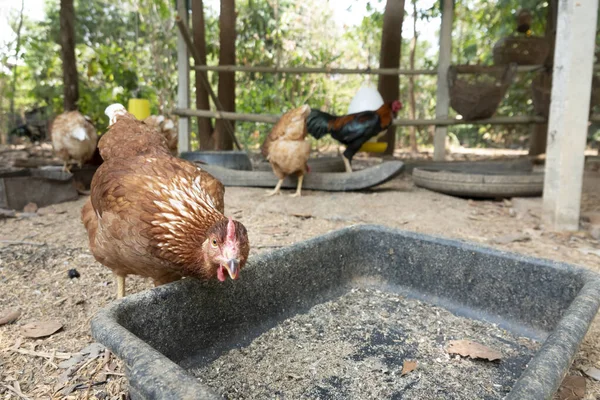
column 271, row 119
column 569, row 108
column 334, row 71
column 183, row 82
column 187, row 39
column 443, row 94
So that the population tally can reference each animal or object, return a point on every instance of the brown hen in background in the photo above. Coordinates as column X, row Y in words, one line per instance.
column 73, row 138
column 287, row 149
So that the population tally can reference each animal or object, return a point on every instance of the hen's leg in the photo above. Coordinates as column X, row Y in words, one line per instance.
column 347, row 164
column 120, row 286
column 299, row 187
column 276, row 190
column 66, row 167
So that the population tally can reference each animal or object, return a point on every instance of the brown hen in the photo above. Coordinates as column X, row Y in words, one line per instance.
column 73, row 138
column 287, row 149
column 165, row 126
column 155, row 215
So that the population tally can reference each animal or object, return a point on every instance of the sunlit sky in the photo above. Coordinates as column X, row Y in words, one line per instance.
column 349, row 12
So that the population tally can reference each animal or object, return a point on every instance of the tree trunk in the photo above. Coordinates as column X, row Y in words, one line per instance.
column 67, row 42
column 205, row 128
column 226, row 94
column 411, row 82
column 539, row 132
column 13, row 85
column 391, row 41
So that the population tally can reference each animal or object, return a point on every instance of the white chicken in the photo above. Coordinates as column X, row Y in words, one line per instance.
column 73, row 138
column 367, row 98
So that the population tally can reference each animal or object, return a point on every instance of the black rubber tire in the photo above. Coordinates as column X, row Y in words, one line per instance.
column 228, row 159
column 483, row 185
column 480, row 166
column 322, row 164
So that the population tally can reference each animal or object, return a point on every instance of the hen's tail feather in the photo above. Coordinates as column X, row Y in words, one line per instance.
column 317, row 123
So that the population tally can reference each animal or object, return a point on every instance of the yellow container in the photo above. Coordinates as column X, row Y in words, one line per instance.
column 140, row 108
column 374, row 147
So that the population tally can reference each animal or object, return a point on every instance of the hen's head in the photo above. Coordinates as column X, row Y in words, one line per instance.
column 226, row 249
column 396, row 106
column 113, row 111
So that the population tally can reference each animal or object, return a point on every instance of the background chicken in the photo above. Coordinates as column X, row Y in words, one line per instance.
column 524, row 19
column 352, row 130
column 155, row 215
column 167, row 127
column 73, row 138
column 286, row 147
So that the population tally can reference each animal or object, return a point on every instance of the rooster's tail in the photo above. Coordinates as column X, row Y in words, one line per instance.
column 317, row 123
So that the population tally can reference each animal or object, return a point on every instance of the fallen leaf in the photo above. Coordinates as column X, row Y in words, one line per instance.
column 467, row 348
column 302, row 216
column 50, row 210
column 586, row 251
column 592, row 372
column 571, row 388
column 408, row 366
column 40, row 329
column 9, row 316
column 30, row 208
column 511, row 238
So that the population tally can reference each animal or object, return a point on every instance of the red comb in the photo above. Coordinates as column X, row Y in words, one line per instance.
column 230, row 230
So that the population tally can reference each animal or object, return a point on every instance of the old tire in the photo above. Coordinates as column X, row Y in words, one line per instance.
column 482, row 185
column 228, row 159
column 321, row 164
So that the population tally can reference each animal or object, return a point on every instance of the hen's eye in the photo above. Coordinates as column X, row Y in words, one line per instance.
column 214, row 242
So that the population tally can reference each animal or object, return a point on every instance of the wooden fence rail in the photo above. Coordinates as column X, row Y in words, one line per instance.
column 271, row 119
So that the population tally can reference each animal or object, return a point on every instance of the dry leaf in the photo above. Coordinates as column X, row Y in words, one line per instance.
column 571, row 388
column 30, row 208
column 9, row 316
column 592, row 372
column 408, row 366
column 511, row 238
column 40, row 329
column 50, row 210
column 467, row 348
column 586, row 251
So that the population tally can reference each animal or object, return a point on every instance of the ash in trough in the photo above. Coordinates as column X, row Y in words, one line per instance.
column 355, row 346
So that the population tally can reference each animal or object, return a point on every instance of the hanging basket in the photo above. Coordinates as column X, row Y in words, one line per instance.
column 478, row 91
column 541, row 88
column 523, row 50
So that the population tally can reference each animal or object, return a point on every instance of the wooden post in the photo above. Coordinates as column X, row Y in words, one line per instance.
column 569, row 109
column 183, row 80
column 442, row 94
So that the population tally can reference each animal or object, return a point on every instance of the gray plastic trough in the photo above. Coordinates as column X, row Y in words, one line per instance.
column 158, row 332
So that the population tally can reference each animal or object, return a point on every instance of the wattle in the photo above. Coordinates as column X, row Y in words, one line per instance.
column 221, row 273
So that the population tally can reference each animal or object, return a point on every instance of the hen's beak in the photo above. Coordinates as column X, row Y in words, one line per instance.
column 233, row 267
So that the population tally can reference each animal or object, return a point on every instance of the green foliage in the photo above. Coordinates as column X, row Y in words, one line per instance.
column 128, row 49
column 122, row 52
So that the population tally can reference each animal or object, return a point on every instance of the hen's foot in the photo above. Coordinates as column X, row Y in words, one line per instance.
column 299, row 187
column 276, row 190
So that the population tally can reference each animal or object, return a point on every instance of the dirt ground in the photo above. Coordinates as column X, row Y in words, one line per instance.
column 38, row 250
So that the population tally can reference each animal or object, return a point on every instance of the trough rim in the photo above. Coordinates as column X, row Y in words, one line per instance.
column 539, row 380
